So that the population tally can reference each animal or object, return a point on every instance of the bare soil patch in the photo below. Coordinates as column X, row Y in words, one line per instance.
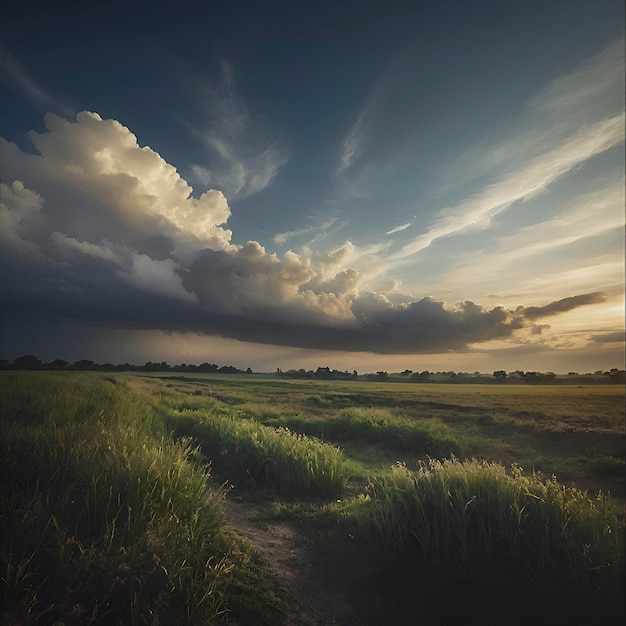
column 320, row 590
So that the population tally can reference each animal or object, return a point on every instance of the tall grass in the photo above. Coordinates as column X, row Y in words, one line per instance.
column 104, row 517
column 294, row 465
column 373, row 425
column 478, row 520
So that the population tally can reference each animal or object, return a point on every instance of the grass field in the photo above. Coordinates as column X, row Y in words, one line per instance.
column 498, row 501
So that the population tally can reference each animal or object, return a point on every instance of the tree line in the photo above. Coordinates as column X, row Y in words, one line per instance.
column 31, row 362
column 614, row 375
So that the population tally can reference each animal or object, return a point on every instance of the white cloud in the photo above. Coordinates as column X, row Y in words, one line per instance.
column 318, row 230
column 398, row 229
column 354, row 143
column 590, row 92
column 99, row 183
column 579, row 249
column 531, row 179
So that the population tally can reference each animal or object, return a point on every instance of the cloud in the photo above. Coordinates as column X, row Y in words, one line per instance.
column 104, row 231
column 316, row 230
column 98, row 183
column 573, row 244
column 15, row 74
column 20, row 214
column 563, row 305
column 243, row 158
column 533, row 178
column 590, row 92
column 356, row 141
column 397, row 229
column 619, row 336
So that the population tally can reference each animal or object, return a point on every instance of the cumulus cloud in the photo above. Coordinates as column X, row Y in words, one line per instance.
column 20, row 215
column 100, row 229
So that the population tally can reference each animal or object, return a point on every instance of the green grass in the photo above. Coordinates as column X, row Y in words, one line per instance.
column 291, row 464
column 424, row 437
column 111, row 512
column 474, row 520
column 106, row 519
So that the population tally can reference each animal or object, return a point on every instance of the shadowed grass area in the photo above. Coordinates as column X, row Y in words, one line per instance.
column 539, row 544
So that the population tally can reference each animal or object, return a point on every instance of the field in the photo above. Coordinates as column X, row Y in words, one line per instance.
column 202, row 499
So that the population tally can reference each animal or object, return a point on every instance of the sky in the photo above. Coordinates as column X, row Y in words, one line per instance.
column 355, row 185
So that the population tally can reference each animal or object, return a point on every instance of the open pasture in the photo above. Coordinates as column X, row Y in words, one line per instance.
column 575, row 433
column 468, row 504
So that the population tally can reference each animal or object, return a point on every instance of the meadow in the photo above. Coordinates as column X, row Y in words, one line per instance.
column 430, row 504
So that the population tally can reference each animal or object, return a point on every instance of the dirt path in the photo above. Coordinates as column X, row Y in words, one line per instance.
column 315, row 601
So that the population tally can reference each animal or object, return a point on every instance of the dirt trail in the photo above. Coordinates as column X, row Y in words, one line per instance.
column 315, row 601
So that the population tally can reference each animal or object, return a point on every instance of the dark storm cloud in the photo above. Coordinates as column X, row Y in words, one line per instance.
column 97, row 229
column 563, row 305
column 619, row 336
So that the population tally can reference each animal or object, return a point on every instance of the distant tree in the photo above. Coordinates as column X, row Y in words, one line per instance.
column 324, row 373
column 58, row 364
column 83, row 364
column 27, row 362
column 249, row 371
column 500, row 374
column 208, row 368
column 382, row 375
column 532, row 377
column 617, row 376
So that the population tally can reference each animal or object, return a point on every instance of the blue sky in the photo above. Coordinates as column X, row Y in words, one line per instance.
column 355, row 185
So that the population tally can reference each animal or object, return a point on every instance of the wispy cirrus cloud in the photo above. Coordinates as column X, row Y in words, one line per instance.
column 578, row 247
column 356, row 141
column 14, row 72
column 242, row 156
column 590, row 92
column 521, row 184
column 312, row 232
column 398, row 229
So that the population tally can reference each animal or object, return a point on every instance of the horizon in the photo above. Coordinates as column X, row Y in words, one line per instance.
column 366, row 187
column 164, row 366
